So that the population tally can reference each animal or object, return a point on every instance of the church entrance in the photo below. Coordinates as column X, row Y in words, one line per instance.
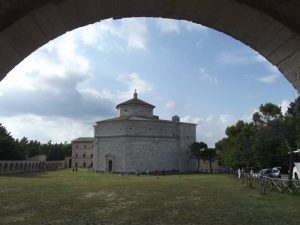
column 110, row 166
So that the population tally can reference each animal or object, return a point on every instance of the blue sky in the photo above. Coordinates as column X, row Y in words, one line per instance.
column 202, row 75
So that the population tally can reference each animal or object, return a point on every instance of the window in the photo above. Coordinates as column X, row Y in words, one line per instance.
column 84, row 165
column 76, row 156
column 76, row 146
column 91, row 155
column 125, row 110
column 84, row 146
column 150, row 128
column 83, row 155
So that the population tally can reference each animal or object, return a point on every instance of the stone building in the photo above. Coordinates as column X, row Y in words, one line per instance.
column 82, row 152
column 138, row 141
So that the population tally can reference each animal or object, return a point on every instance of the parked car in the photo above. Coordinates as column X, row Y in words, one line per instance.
column 271, row 172
column 296, row 171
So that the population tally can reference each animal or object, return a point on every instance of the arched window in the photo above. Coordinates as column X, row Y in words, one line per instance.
column 83, row 155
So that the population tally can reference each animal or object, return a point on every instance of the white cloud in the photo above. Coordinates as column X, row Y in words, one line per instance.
column 259, row 58
column 284, row 106
column 105, row 33
column 190, row 119
column 226, row 118
column 211, row 129
column 56, row 129
column 269, row 79
column 190, row 26
column 247, row 117
column 171, row 25
column 136, row 33
column 48, row 83
column 133, row 82
column 205, row 76
column 168, row 25
column 170, row 104
column 58, row 61
column 244, row 57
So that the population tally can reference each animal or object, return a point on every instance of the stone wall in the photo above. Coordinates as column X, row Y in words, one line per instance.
column 25, row 166
column 187, row 135
column 82, row 154
column 143, row 145
column 155, row 128
column 138, row 110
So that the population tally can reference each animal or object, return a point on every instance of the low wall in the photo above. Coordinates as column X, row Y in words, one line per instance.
column 25, row 166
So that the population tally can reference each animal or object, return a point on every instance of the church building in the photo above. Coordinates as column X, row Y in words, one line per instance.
column 138, row 141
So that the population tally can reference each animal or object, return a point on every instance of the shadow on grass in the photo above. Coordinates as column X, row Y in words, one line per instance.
column 40, row 174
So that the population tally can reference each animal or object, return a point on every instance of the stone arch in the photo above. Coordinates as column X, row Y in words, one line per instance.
column 21, row 167
column 17, row 167
column 11, row 167
column 110, row 162
column 25, row 167
column 271, row 29
column 5, row 168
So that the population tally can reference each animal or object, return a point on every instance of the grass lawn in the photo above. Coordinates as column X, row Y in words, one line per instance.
column 66, row 198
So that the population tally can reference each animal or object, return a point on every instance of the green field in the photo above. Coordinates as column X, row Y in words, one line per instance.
column 66, row 198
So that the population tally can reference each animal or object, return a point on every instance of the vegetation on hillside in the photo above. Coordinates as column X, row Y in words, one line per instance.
column 15, row 149
column 266, row 141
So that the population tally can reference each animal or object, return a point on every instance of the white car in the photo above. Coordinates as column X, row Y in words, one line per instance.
column 296, row 171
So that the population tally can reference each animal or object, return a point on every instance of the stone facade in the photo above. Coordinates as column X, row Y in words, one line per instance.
column 82, row 152
column 33, row 164
column 271, row 27
column 138, row 141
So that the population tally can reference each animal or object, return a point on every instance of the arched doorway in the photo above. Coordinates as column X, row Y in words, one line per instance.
column 271, row 29
column 110, row 159
column 70, row 162
column 110, row 165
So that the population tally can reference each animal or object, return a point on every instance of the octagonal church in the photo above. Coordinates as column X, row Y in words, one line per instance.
column 138, row 141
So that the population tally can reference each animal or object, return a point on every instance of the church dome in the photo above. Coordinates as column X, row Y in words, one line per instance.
column 135, row 107
column 135, row 101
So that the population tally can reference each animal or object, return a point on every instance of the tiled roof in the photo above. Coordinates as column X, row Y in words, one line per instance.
column 135, row 101
column 84, row 139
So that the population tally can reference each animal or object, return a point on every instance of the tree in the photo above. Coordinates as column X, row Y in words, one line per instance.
column 272, row 120
column 209, row 154
column 197, row 150
column 8, row 150
column 242, row 135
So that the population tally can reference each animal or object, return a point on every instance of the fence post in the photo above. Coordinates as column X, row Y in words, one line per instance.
column 263, row 186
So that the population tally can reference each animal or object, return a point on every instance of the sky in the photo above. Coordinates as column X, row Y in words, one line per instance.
column 204, row 76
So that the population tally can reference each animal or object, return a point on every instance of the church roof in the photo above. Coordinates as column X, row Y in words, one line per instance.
column 128, row 118
column 139, row 118
column 84, row 139
column 135, row 101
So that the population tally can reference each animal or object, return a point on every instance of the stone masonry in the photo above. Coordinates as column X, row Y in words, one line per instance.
column 138, row 141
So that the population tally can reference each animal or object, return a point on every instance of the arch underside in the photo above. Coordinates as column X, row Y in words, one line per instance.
column 268, row 26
